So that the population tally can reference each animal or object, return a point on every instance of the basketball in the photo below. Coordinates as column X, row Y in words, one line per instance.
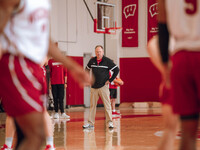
column 118, row 79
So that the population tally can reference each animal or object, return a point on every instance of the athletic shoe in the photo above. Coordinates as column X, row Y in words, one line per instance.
column 115, row 113
column 87, row 126
column 88, row 130
column 49, row 147
column 64, row 116
column 110, row 125
column 5, row 147
column 110, row 130
column 56, row 116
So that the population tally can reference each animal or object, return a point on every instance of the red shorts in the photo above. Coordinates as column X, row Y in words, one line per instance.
column 185, row 80
column 21, row 85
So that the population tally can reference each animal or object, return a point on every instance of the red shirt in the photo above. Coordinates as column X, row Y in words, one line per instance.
column 98, row 61
column 57, row 72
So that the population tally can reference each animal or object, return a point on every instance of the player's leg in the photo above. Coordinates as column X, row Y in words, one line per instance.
column 32, row 126
column 113, row 96
column 48, row 130
column 60, row 97
column 112, row 100
column 20, row 135
column 61, row 101
column 189, row 126
column 170, row 119
column 189, row 123
column 171, row 122
column 10, row 131
column 55, row 100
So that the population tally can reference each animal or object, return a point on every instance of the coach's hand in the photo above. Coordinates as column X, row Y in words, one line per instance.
column 107, row 82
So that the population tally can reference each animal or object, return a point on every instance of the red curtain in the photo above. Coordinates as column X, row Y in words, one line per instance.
column 129, row 23
column 152, row 18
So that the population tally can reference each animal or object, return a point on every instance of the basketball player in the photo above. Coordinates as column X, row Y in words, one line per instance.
column 181, row 19
column 113, row 94
column 10, row 128
column 170, row 119
column 24, row 37
column 58, row 80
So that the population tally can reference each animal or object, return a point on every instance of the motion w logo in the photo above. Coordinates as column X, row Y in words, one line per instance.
column 129, row 10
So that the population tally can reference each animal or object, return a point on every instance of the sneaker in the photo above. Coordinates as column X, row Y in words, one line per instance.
column 49, row 147
column 86, row 126
column 5, row 147
column 88, row 130
column 110, row 125
column 64, row 116
column 114, row 113
column 110, row 130
column 56, row 116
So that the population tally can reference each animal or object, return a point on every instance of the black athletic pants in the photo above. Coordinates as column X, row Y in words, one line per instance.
column 58, row 96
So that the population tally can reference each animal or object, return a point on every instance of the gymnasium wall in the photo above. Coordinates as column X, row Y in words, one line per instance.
column 141, row 80
column 72, row 27
column 140, row 76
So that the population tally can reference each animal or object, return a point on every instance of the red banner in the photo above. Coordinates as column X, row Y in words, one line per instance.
column 129, row 23
column 152, row 19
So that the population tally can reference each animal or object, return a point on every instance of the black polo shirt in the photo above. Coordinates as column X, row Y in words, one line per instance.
column 101, row 71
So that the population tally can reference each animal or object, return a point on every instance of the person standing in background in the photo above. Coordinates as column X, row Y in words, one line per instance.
column 113, row 93
column 58, row 80
column 100, row 66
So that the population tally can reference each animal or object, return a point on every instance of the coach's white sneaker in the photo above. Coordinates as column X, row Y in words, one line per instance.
column 110, row 125
column 56, row 116
column 64, row 116
column 88, row 126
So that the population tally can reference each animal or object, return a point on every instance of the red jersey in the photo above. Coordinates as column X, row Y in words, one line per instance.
column 57, row 72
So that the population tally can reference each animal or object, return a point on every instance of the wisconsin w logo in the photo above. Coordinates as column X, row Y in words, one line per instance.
column 129, row 10
column 153, row 9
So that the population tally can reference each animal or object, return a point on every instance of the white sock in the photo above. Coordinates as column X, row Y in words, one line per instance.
column 49, row 141
column 9, row 141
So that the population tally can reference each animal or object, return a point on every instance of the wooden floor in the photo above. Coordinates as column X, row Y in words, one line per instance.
column 137, row 129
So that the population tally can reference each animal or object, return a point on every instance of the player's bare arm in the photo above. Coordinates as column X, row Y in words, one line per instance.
column 164, row 41
column 120, row 82
column 77, row 72
column 6, row 9
column 161, row 11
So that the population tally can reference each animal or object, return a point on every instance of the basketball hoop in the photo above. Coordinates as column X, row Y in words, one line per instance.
column 105, row 19
column 111, row 30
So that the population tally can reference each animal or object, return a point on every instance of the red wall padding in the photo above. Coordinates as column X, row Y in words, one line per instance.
column 141, row 80
column 74, row 95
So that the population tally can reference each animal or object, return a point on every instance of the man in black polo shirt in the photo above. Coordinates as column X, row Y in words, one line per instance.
column 101, row 66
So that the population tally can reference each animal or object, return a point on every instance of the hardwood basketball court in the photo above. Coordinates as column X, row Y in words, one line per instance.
column 137, row 129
